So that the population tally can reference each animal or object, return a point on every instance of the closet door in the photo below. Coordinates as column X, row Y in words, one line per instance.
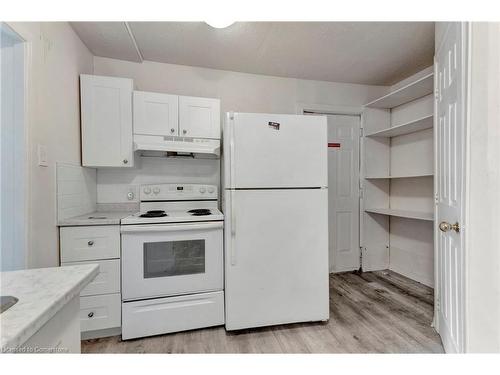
column 450, row 185
column 343, row 188
column 156, row 114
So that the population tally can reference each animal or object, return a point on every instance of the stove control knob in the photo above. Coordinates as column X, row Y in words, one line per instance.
column 147, row 190
column 202, row 190
column 211, row 189
column 156, row 190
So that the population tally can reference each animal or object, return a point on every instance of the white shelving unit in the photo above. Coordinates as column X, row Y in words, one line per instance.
column 405, row 176
column 397, row 180
column 422, row 123
column 429, row 216
column 415, row 90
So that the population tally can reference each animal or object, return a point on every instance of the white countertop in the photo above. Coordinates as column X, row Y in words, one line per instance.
column 95, row 218
column 42, row 292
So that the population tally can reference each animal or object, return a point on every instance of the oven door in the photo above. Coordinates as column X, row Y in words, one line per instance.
column 171, row 259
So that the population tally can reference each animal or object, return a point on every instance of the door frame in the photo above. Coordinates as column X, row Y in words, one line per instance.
column 325, row 109
column 29, row 98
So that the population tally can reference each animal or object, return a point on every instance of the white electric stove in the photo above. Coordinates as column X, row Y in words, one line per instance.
column 172, row 261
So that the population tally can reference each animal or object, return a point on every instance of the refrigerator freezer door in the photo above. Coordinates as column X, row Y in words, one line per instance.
column 276, row 257
column 274, row 151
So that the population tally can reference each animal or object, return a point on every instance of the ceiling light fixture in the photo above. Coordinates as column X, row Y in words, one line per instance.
column 219, row 24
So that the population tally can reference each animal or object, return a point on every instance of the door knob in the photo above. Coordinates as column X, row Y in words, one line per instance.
column 445, row 227
column 184, row 131
column 172, row 130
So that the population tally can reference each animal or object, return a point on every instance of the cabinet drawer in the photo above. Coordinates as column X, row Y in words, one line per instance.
column 100, row 312
column 107, row 280
column 172, row 314
column 90, row 243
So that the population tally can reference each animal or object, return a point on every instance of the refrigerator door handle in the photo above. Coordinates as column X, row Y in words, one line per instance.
column 233, row 230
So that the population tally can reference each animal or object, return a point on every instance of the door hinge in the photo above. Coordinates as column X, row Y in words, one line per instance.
column 361, row 132
column 361, row 193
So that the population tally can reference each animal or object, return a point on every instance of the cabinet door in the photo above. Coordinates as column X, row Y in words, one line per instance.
column 106, row 111
column 199, row 117
column 156, row 114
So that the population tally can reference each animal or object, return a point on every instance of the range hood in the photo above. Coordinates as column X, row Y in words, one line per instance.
column 197, row 147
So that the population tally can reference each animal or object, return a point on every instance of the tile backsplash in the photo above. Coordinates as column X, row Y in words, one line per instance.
column 115, row 184
column 76, row 190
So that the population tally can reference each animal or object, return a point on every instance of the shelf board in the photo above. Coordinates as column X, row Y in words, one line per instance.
column 407, row 128
column 428, row 216
column 406, row 176
column 421, row 87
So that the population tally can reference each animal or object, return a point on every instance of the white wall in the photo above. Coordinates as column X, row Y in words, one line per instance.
column 483, row 222
column 56, row 58
column 237, row 91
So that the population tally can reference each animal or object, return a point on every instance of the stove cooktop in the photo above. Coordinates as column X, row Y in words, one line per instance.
column 174, row 216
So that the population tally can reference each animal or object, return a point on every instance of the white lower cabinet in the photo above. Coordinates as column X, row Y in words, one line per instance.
column 100, row 312
column 93, row 242
column 107, row 280
column 172, row 314
column 100, row 300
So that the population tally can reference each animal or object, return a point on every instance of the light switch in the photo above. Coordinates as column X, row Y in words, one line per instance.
column 42, row 156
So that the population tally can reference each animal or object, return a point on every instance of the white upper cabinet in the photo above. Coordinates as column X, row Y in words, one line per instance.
column 156, row 114
column 106, row 112
column 199, row 117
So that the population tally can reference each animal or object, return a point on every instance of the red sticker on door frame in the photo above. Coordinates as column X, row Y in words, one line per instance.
column 333, row 144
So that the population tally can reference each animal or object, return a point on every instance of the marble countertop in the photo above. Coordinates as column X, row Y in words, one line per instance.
column 95, row 218
column 42, row 292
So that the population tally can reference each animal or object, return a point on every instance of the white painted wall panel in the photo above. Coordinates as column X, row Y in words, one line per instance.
column 413, row 194
column 412, row 154
column 412, row 249
column 410, row 111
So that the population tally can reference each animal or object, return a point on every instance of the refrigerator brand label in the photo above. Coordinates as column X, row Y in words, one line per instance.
column 274, row 125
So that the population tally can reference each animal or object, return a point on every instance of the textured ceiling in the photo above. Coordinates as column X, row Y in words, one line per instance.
column 378, row 53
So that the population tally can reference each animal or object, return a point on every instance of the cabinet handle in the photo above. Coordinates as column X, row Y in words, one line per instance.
column 172, row 130
column 90, row 314
column 184, row 131
column 125, row 161
column 90, row 243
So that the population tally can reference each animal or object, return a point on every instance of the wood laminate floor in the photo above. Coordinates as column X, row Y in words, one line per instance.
column 370, row 312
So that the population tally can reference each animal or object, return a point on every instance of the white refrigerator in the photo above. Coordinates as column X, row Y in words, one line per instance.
column 275, row 202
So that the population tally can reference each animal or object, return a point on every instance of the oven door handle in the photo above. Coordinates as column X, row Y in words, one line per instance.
column 168, row 227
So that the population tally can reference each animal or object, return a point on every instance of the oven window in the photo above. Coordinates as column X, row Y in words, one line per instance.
column 174, row 258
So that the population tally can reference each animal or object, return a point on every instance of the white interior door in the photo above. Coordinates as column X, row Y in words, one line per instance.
column 450, row 138
column 343, row 187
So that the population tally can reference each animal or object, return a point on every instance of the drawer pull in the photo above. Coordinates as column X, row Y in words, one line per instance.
column 90, row 314
column 90, row 243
